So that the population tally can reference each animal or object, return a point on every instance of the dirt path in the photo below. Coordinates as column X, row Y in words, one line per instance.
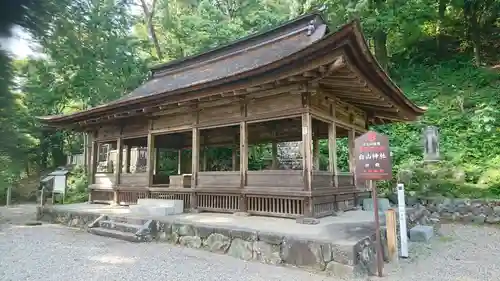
column 18, row 214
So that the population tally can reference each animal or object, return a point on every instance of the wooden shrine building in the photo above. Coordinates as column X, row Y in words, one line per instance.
column 298, row 83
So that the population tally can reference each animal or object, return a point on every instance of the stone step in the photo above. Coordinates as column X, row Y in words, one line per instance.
column 128, row 220
column 154, row 211
column 177, row 205
column 106, row 232
column 120, row 226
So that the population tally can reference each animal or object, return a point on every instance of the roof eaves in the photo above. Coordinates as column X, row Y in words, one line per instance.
column 375, row 67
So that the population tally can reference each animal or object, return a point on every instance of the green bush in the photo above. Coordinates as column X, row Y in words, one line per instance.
column 77, row 186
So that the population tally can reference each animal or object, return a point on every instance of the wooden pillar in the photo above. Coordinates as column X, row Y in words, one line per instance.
column 332, row 152
column 307, row 153
column 204, row 159
column 243, row 154
column 274, row 154
column 86, row 152
column 234, row 158
column 127, row 159
column 118, row 170
column 93, row 161
column 179, row 162
column 195, row 166
column 307, row 150
column 350, row 140
column 157, row 160
column 119, row 151
column 151, row 157
column 315, row 141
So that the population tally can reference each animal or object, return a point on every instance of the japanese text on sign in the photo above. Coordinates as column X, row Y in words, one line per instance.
column 373, row 161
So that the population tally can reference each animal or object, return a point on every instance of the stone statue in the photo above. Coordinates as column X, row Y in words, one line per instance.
column 431, row 144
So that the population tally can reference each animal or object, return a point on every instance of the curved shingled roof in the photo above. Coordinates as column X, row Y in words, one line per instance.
column 247, row 61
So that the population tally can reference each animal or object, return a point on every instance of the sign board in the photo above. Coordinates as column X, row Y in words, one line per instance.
column 402, row 221
column 373, row 157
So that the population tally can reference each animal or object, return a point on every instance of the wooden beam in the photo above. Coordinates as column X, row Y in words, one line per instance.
column 353, row 84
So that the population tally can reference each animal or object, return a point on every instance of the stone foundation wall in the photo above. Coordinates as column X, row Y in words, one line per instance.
column 477, row 211
column 357, row 259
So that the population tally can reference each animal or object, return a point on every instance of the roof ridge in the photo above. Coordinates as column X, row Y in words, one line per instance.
column 165, row 67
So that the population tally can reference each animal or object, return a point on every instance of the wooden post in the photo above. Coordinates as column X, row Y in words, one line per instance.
column 151, row 157
column 306, row 143
column 390, row 216
column 118, row 170
column 307, row 153
column 9, row 196
column 274, row 154
column 332, row 153
column 233, row 157
column 195, row 166
column 179, row 161
column 93, row 161
column 85, row 152
column 352, row 164
column 127, row 159
column 119, row 151
column 204, row 159
column 157, row 160
column 243, row 153
column 316, row 154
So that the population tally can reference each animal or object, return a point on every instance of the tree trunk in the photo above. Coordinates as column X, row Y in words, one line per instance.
column 476, row 40
column 44, row 149
column 380, row 46
column 148, row 15
column 441, row 14
column 380, row 36
column 471, row 15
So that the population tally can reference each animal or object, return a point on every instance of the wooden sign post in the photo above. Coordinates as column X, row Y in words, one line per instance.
column 373, row 162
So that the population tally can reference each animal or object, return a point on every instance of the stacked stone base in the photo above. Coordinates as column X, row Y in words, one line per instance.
column 351, row 259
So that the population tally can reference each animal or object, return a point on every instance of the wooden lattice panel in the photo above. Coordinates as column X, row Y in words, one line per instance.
column 172, row 195
column 275, row 206
column 324, row 206
column 131, row 197
column 101, row 195
column 218, row 202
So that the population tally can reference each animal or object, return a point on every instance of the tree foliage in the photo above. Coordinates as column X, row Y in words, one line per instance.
column 438, row 51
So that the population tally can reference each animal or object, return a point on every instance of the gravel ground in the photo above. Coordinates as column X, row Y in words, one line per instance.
column 51, row 252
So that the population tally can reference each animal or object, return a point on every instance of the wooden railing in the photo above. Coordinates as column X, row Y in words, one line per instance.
column 173, row 195
column 126, row 197
column 275, row 206
column 221, row 192
column 101, row 196
column 218, row 202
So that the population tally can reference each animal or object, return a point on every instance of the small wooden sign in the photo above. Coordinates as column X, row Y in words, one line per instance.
column 373, row 157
